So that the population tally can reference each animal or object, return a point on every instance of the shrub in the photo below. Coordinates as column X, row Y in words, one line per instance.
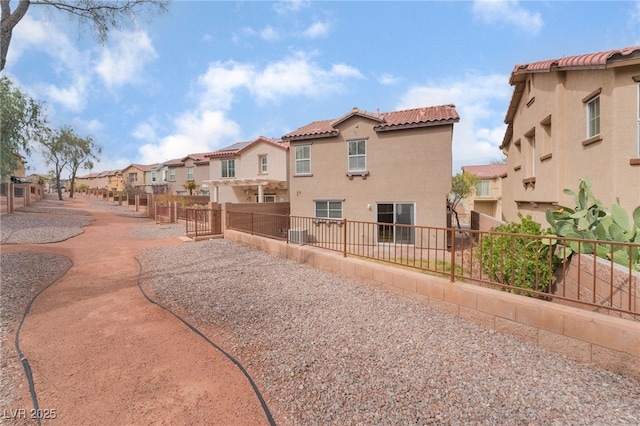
column 510, row 257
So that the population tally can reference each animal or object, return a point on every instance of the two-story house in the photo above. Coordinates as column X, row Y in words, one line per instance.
column 246, row 172
column 392, row 167
column 176, row 173
column 572, row 118
column 487, row 196
column 134, row 177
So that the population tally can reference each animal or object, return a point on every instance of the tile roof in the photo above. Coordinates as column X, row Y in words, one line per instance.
column 240, row 146
column 519, row 74
column 417, row 117
column 589, row 60
column 487, row 171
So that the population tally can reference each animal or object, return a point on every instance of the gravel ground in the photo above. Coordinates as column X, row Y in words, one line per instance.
column 325, row 350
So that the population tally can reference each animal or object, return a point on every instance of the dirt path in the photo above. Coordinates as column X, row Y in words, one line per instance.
column 100, row 353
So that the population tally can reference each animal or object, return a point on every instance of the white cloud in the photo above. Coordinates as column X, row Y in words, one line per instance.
column 207, row 127
column 123, row 61
column 194, row 132
column 289, row 6
column 293, row 76
column 387, row 79
column 510, row 12
column 317, row 29
column 481, row 102
column 269, row 34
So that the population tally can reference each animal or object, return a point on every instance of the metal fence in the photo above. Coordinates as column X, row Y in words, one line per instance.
column 203, row 222
column 529, row 265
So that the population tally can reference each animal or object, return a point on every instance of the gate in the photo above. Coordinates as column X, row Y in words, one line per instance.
column 201, row 222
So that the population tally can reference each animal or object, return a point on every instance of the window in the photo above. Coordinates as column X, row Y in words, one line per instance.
column 357, row 156
column 269, row 198
column 172, row 174
column 263, row 163
column 189, row 173
column 303, row 160
column 329, row 209
column 133, row 177
column 229, row 168
column 593, row 117
column 530, row 165
column 153, row 176
column 396, row 214
column 483, row 188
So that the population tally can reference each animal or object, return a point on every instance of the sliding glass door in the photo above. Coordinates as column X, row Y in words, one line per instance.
column 395, row 214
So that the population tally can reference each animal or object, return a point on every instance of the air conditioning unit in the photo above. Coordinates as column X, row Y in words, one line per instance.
column 297, row 235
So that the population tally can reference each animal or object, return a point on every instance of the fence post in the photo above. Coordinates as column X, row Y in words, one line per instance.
column 344, row 237
column 452, row 260
column 251, row 222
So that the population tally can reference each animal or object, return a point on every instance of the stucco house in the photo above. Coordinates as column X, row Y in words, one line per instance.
column 393, row 167
column 254, row 171
column 134, row 177
column 487, row 197
column 191, row 168
column 572, row 118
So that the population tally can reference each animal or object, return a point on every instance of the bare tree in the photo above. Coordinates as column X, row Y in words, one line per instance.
column 101, row 15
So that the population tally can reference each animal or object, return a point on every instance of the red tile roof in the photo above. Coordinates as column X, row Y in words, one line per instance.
column 589, row 60
column 417, row 117
column 240, row 146
column 519, row 74
column 487, row 171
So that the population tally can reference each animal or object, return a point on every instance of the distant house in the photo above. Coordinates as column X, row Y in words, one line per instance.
column 572, row 118
column 177, row 172
column 134, row 177
column 392, row 167
column 254, row 171
column 487, row 197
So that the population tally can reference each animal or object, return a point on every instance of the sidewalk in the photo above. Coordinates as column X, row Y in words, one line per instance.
column 100, row 353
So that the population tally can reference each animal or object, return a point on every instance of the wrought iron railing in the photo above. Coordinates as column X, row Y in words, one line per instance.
column 529, row 265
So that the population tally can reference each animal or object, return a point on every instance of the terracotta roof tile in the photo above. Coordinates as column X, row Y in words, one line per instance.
column 589, row 60
column 417, row 117
column 239, row 146
column 487, row 171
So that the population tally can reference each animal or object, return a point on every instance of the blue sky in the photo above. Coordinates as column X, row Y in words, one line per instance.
column 210, row 73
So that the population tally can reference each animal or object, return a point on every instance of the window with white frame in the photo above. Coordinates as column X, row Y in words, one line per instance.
column 483, row 188
column 172, row 174
column 153, row 176
column 593, row 117
column 328, row 209
column 228, row 168
column 357, row 156
column 189, row 173
column 303, row 160
column 262, row 159
column 133, row 177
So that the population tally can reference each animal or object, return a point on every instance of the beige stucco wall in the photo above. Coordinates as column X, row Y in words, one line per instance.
column 407, row 166
column 606, row 162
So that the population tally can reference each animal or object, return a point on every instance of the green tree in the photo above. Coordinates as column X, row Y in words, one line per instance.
column 101, row 15
column 80, row 152
column 462, row 186
column 21, row 118
column 190, row 186
column 56, row 147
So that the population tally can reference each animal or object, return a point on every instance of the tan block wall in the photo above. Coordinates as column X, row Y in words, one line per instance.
column 609, row 342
